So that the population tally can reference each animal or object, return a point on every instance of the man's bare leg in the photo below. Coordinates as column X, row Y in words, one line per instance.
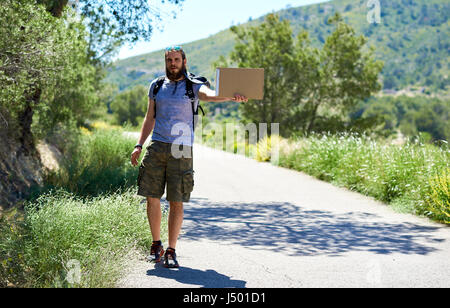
column 154, row 217
column 175, row 222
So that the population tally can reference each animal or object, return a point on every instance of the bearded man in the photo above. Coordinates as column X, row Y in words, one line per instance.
column 172, row 106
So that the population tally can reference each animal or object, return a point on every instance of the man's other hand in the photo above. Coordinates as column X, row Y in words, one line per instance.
column 135, row 156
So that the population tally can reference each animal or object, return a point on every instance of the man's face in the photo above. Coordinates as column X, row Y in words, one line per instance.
column 175, row 65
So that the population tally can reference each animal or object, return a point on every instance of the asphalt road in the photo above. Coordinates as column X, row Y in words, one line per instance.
column 252, row 224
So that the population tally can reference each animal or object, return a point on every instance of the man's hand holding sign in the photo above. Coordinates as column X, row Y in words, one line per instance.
column 207, row 95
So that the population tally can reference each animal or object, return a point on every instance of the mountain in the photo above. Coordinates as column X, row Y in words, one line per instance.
column 412, row 39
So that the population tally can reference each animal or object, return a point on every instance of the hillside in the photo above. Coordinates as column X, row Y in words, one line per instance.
column 412, row 39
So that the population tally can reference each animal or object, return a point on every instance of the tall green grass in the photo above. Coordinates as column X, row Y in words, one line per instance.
column 58, row 228
column 397, row 175
column 99, row 162
column 89, row 215
column 437, row 202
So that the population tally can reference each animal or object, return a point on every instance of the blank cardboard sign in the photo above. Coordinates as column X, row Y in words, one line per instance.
column 244, row 81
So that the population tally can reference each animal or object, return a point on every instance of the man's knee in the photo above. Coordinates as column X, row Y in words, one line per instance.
column 176, row 204
column 153, row 201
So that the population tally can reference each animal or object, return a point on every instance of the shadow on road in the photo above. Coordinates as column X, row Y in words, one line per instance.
column 205, row 279
column 298, row 232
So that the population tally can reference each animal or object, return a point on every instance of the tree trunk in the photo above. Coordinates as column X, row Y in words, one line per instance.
column 313, row 118
column 57, row 8
column 54, row 7
column 25, row 121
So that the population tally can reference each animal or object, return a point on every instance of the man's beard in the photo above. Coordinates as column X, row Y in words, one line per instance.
column 175, row 76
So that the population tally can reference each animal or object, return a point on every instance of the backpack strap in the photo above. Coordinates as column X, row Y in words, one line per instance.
column 191, row 95
column 157, row 87
column 198, row 79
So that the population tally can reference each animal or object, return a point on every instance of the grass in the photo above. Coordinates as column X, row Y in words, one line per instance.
column 96, row 233
column 99, row 162
column 397, row 175
column 88, row 220
column 438, row 200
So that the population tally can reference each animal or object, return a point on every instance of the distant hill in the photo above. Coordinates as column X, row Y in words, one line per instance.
column 413, row 39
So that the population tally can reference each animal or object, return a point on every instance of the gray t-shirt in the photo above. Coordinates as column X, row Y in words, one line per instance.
column 174, row 118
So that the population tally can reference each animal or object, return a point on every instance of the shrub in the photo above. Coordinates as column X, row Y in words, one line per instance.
column 266, row 146
column 98, row 233
column 437, row 201
column 97, row 163
column 397, row 175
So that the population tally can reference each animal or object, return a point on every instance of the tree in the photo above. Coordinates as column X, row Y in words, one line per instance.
column 268, row 46
column 52, row 61
column 130, row 106
column 342, row 73
column 301, row 81
column 44, row 70
column 111, row 23
column 433, row 118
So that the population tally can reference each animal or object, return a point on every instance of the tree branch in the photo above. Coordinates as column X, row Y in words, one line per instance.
column 6, row 122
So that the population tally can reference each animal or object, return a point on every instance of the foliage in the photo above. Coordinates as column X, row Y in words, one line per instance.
column 130, row 106
column 411, row 115
column 266, row 146
column 88, row 211
column 98, row 163
column 299, row 78
column 437, row 201
column 398, row 175
column 12, row 267
column 43, row 67
column 98, row 233
column 112, row 23
column 412, row 40
column 52, row 58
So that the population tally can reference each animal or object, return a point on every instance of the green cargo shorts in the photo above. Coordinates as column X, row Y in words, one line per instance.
column 159, row 167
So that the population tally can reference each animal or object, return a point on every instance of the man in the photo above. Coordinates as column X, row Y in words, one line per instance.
column 173, row 131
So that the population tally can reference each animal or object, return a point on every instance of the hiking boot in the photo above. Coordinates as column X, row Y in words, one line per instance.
column 156, row 252
column 170, row 258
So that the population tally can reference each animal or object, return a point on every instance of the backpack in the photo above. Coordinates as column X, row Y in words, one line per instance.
column 190, row 79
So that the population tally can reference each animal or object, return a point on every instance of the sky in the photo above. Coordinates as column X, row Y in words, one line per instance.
column 198, row 19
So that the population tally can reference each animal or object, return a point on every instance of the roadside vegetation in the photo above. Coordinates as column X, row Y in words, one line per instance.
column 54, row 56
column 86, row 216
column 412, row 178
column 80, row 226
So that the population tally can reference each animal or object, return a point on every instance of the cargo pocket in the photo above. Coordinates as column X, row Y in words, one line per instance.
column 188, row 181
column 140, row 174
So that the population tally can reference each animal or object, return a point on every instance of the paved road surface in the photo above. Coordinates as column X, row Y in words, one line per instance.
column 251, row 224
